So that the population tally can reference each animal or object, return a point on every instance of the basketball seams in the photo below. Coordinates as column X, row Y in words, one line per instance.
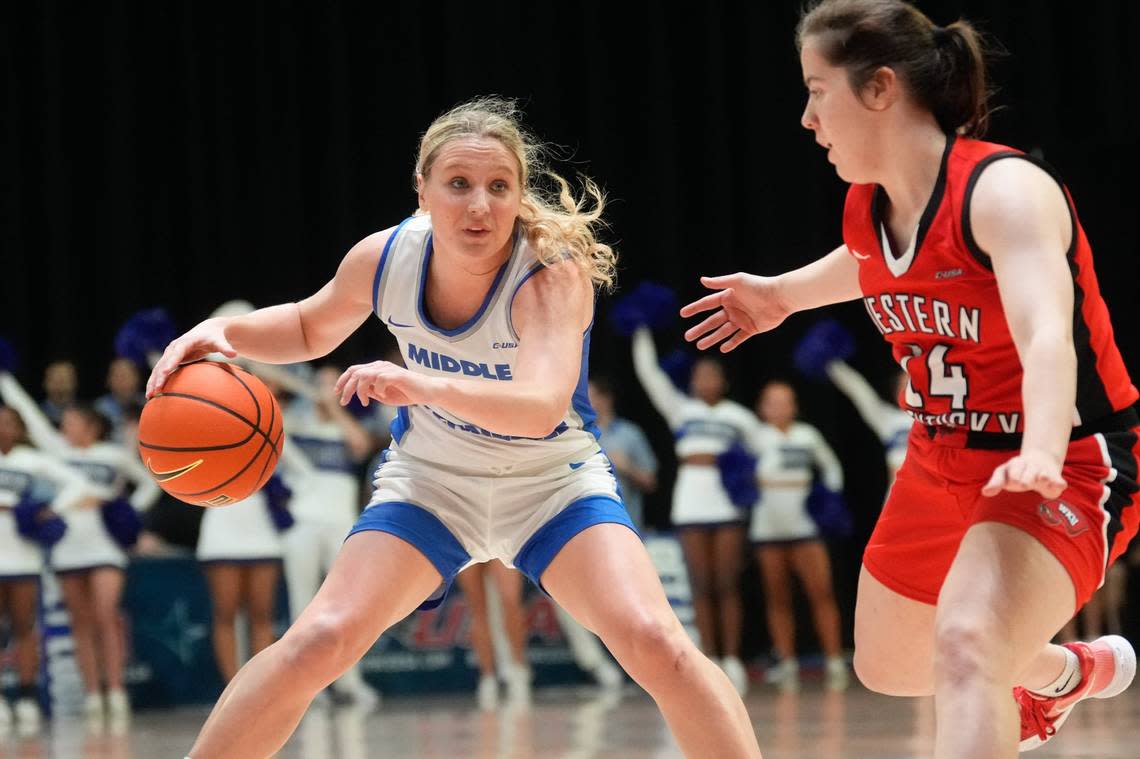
column 272, row 437
column 265, row 440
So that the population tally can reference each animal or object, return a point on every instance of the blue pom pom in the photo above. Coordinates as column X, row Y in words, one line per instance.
column 122, row 521
column 27, row 513
column 277, row 495
column 829, row 511
column 679, row 366
column 51, row 531
column 827, row 341
column 9, row 360
column 650, row 304
column 145, row 332
column 738, row 475
column 33, row 524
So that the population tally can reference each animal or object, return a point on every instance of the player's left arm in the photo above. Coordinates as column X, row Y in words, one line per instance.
column 551, row 312
column 1021, row 219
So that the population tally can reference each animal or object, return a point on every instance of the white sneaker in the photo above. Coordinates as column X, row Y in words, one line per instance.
column 94, row 708
column 518, row 684
column 836, row 674
column 361, row 697
column 27, row 716
column 785, row 674
column 118, row 707
column 607, row 675
column 5, row 716
column 736, row 672
column 487, row 694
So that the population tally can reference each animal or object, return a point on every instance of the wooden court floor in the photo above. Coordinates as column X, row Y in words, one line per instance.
column 580, row 723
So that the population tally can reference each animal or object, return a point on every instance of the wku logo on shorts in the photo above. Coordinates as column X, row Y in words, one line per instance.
column 1061, row 515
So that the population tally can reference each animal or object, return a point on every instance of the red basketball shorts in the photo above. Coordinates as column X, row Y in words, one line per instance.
column 937, row 496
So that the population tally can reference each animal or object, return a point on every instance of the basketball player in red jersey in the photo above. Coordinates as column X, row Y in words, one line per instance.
column 1019, row 486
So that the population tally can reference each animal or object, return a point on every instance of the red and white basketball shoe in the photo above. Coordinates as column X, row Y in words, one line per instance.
column 1107, row 664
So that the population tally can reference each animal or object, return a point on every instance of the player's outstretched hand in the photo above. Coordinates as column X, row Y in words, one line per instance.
column 742, row 306
column 1029, row 470
column 385, row 382
column 206, row 338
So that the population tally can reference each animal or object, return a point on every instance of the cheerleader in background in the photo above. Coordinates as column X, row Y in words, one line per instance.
column 517, row 673
column 821, row 355
column 240, row 548
column 710, row 526
column 125, row 391
column 90, row 561
column 786, row 539
column 325, row 504
column 27, row 528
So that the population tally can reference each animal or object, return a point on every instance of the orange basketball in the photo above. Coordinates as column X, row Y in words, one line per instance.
column 213, row 435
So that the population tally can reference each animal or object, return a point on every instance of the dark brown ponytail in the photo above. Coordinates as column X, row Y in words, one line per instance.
column 943, row 68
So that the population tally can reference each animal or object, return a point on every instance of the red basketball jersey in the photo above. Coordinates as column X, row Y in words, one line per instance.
column 938, row 306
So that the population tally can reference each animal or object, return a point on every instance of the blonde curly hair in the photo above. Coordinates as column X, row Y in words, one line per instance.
column 558, row 225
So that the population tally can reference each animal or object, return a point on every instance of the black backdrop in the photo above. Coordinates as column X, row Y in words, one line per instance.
column 162, row 154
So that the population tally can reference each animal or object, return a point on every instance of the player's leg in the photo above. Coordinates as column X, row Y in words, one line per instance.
column 894, row 640
column 351, row 683
column 259, row 585
column 603, row 576
column 697, row 547
column 377, row 580
column 224, row 581
column 1003, row 599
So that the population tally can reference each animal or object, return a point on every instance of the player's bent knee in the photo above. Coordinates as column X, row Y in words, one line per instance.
column 320, row 649
column 653, row 649
column 963, row 651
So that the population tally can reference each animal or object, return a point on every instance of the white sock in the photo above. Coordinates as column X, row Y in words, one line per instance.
column 1069, row 679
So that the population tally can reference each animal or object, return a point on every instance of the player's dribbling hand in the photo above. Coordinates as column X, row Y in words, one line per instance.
column 206, row 338
column 1029, row 470
column 382, row 381
column 744, row 305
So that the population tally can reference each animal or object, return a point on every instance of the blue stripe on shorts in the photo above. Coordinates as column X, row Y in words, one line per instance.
column 425, row 532
column 545, row 544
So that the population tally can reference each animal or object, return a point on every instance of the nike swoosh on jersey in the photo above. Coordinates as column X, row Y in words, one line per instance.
column 857, row 254
column 172, row 474
column 393, row 323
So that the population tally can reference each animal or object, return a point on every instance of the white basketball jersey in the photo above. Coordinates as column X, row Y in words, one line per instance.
column 484, row 349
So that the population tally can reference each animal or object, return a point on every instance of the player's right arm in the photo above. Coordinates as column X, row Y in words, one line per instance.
column 290, row 332
column 746, row 304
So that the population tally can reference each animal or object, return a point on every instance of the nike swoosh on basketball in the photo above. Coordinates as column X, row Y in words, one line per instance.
column 173, row 474
column 858, row 255
column 393, row 323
